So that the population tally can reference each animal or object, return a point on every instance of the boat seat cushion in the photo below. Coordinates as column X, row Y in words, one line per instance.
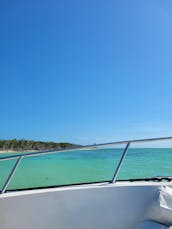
column 152, row 225
column 160, row 209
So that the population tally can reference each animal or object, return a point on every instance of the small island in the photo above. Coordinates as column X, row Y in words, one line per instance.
column 22, row 145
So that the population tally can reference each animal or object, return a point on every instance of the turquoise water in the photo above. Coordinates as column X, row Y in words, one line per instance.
column 86, row 166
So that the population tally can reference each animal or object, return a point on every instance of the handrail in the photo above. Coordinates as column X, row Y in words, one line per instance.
column 20, row 156
column 30, row 154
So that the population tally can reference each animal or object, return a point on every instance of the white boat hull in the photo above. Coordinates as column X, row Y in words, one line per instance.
column 102, row 206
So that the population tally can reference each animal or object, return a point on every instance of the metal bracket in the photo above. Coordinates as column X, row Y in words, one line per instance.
column 10, row 176
column 120, row 163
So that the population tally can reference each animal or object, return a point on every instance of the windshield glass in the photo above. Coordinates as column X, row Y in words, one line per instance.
column 87, row 166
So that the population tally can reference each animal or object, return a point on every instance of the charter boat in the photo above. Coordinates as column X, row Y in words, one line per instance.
column 115, row 204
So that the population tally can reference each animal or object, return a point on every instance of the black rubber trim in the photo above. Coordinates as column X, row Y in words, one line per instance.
column 159, row 179
column 56, row 186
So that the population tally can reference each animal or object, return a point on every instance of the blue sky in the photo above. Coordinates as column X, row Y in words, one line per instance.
column 85, row 71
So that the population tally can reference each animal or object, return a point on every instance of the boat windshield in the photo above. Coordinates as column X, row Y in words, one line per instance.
column 111, row 162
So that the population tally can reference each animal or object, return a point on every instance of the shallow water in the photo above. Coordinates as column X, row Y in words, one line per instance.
column 86, row 166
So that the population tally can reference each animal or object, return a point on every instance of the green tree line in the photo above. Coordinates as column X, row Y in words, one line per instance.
column 21, row 145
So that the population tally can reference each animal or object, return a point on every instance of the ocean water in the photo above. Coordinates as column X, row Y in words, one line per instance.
column 86, row 166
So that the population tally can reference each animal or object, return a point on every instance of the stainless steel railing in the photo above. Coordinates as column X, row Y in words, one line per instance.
column 45, row 152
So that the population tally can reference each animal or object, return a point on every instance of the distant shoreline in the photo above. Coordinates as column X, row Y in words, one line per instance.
column 14, row 151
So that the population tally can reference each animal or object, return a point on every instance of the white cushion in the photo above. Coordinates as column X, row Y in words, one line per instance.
column 151, row 225
column 160, row 209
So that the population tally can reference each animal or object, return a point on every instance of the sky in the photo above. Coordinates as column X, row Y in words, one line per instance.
column 85, row 71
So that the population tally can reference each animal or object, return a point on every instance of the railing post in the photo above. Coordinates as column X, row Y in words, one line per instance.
column 10, row 176
column 120, row 163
